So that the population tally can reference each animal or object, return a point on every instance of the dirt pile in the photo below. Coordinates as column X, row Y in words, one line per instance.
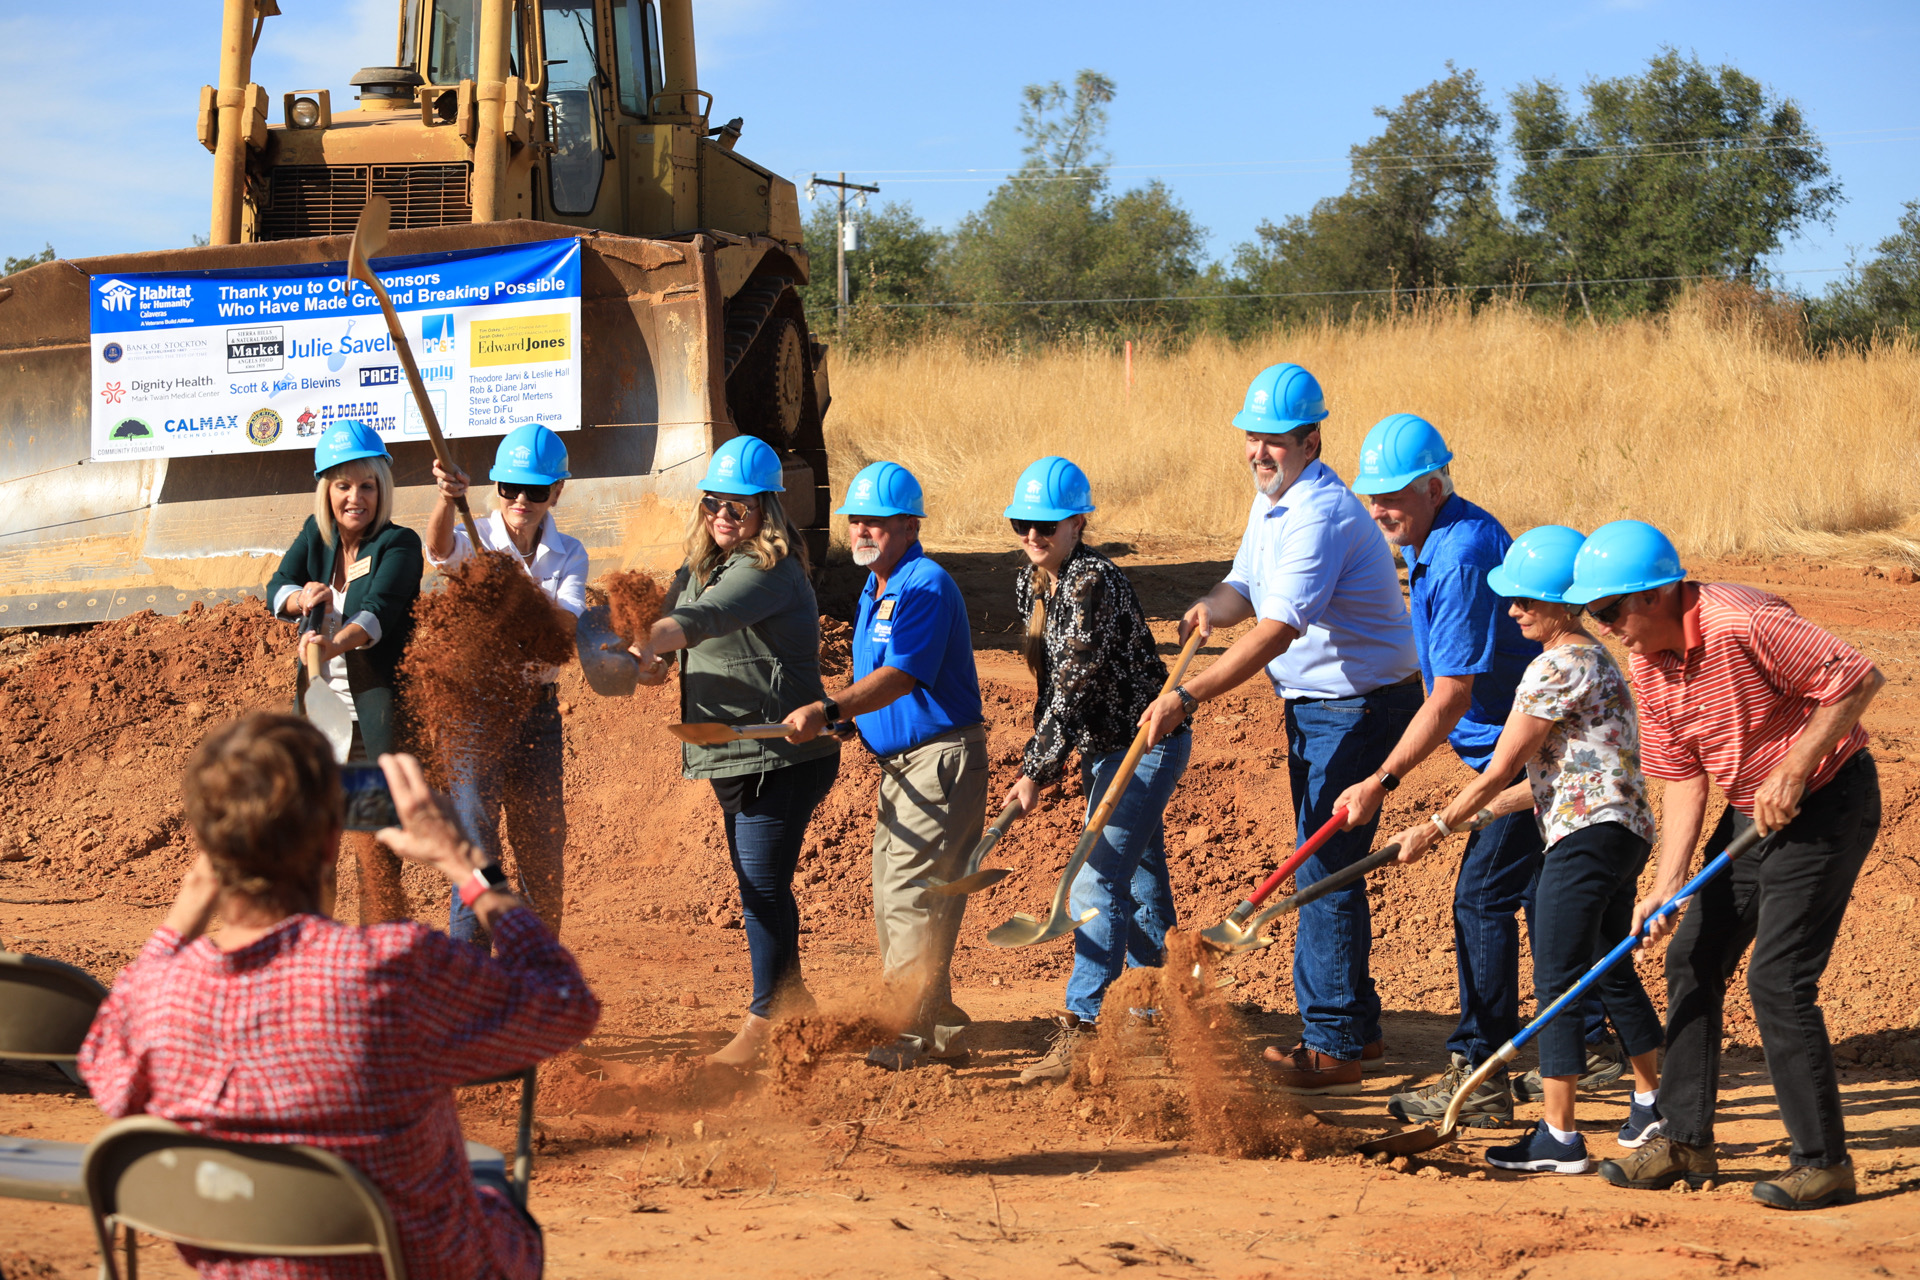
column 634, row 601
column 478, row 647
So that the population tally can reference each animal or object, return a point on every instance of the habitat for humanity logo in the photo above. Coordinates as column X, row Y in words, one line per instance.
column 117, row 295
column 436, row 334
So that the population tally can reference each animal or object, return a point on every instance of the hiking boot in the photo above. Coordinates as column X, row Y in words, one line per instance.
column 1057, row 1063
column 1489, row 1105
column 1606, row 1062
column 1541, row 1152
column 1661, row 1163
column 1805, row 1187
column 1642, row 1123
column 1374, row 1056
column 1313, row 1074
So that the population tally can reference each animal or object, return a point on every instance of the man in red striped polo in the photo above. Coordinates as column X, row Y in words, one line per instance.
column 1735, row 687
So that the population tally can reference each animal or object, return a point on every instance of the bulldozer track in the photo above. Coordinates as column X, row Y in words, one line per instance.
column 747, row 314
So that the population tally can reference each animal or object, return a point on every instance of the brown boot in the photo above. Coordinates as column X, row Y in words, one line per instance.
column 1805, row 1187
column 1661, row 1163
column 1313, row 1074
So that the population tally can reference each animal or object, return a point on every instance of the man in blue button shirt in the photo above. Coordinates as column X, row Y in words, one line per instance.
column 1331, row 631
column 1472, row 656
column 916, row 702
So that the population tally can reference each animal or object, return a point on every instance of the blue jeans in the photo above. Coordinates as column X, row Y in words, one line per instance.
column 1125, row 876
column 763, row 843
column 1331, row 745
column 522, row 775
column 1498, row 872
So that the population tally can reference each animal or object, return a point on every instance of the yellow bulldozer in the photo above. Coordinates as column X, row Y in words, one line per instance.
column 500, row 123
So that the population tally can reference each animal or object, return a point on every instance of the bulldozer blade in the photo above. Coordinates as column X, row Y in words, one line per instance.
column 970, row 884
column 712, row 735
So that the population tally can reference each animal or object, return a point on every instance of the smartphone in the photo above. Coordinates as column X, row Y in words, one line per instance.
column 369, row 802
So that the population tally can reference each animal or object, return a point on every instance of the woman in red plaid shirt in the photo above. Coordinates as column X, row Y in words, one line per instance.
column 288, row 1026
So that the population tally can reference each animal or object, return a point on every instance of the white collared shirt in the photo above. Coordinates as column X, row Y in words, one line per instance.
column 559, row 563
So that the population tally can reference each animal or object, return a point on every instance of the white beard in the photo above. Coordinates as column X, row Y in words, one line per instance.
column 1269, row 488
column 864, row 556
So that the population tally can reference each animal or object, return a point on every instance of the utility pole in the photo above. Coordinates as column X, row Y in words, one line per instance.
column 840, row 242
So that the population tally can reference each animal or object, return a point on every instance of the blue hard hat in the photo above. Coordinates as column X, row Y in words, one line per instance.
column 346, row 441
column 530, row 454
column 1623, row 557
column 1050, row 489
column 1400, row 449
column 883, row 489
column 1539, row 564
column 744, row 465
column 1281, row 397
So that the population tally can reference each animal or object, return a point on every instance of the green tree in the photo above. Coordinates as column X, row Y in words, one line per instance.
column 31, row 260
column 1421, row 209
column 1686, row 170
column 1879, row 297
column 898, row 261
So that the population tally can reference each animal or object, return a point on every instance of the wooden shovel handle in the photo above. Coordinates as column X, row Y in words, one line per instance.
column 1139, row 747
column 313, row 661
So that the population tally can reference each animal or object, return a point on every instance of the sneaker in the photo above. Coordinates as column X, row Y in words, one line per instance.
column 1313, row 1074
column 1606, row 1062
column 1490, row 1104
column 902, row 1055
column 1660, row 1163
column 1805, row 1187
column 1642, row 1123
column 1541, row 1152
column 1057, row 1063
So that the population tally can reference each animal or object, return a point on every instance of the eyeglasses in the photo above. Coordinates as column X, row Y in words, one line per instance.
column 1609, row 614
column 736, row 511
column 536, row 493
column 1044, row 528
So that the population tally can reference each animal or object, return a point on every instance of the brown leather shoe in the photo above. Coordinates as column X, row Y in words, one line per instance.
column 1374, row 1056
column 1313, row 1074
column 1661, row 1163
column 1805, row 1187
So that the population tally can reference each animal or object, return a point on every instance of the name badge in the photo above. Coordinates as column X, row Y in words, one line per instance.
column 359, row 568
column 884, row 609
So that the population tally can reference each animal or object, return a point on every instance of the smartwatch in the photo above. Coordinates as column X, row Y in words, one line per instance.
column 484, row 880
column 1387, row 781
column 1187, row 701
column 832, row 709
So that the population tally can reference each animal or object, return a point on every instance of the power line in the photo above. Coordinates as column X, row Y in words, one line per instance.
column 1335, row 293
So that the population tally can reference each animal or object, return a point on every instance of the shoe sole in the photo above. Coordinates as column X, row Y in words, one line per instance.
column 1791, row 1205
column 1694, row 1180
column 1646, row 1135
column 1345, row 1090
column 1543, row 1166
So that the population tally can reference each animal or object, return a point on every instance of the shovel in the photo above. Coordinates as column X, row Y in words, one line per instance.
column 712, row 735
column 975, row 879
column 1249, row 939
column 369, row 238
column 1426, row 1137
column 1023, row 930
column 1231, row 934
column 323, row 706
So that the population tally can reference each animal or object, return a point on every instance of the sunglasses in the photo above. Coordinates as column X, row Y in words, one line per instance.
column 1044, row 528
column 536, row 493
column 1607, row 616
column 736, row 511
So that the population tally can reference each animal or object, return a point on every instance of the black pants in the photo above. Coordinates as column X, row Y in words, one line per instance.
column 1585, row 906
column 1786, row 898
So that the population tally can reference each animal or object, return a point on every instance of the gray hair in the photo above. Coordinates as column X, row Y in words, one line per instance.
column 1444, row 475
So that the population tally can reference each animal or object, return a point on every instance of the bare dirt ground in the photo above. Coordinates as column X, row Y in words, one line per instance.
column 648, row 1164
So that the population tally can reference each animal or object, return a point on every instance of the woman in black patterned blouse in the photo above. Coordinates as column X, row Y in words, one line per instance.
column 1097, row 667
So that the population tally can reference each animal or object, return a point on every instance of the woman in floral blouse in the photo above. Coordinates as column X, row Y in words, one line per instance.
column 1097, row 668
column 1573, row 726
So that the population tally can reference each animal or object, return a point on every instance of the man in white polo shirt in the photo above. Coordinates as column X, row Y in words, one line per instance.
column 1331, row 630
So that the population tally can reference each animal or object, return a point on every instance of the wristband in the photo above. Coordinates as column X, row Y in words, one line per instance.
column 484, row 880
column 1188, row 703
column 1441, row 823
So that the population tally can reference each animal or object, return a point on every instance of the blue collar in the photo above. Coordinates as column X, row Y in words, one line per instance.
column 1451, row 512
column 913, row 553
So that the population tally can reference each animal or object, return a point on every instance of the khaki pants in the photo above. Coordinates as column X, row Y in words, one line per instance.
column 933, row 806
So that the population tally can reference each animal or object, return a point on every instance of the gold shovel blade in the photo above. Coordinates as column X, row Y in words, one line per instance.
column 970, row 884
column 1408, row 1142
column 1023, row 930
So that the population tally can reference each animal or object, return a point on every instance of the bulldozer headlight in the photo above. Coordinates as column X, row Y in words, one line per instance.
column 305, row 113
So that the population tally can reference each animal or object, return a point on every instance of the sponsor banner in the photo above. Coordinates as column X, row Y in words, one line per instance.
column 200, row 362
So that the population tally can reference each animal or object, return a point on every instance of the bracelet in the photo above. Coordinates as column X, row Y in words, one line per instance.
column 1441, row 823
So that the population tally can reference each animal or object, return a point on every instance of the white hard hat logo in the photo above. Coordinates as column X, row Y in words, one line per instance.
column 1260, row 397
column 726, row 466
column 1033, row 486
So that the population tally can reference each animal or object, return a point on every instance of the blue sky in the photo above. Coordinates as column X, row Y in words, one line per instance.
column 1245, row 109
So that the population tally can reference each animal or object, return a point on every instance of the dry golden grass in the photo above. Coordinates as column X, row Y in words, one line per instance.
column 1708, row 423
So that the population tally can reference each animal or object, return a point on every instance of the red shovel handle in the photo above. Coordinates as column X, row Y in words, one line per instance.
column 1300, row 855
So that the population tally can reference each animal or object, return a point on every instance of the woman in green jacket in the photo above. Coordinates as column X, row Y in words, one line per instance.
column 353, row 575
column 748, row 627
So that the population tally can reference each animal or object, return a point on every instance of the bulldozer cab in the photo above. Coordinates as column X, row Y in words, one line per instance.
column 498, row 123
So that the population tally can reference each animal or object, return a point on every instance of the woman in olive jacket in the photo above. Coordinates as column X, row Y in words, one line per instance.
column 748, row 627
column 351, row 578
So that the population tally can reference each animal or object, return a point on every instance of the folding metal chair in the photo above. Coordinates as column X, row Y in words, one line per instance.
column 523, row 1141
column 45, row 1010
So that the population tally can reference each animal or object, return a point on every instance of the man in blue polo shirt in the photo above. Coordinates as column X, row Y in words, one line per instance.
column 1472, row 656
column 916, row 702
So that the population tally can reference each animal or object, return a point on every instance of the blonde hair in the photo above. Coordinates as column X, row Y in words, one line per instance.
column 354, row 469
column 776, row 540
column 1044, row 582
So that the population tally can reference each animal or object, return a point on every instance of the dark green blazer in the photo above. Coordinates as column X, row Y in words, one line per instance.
column 387, row 591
